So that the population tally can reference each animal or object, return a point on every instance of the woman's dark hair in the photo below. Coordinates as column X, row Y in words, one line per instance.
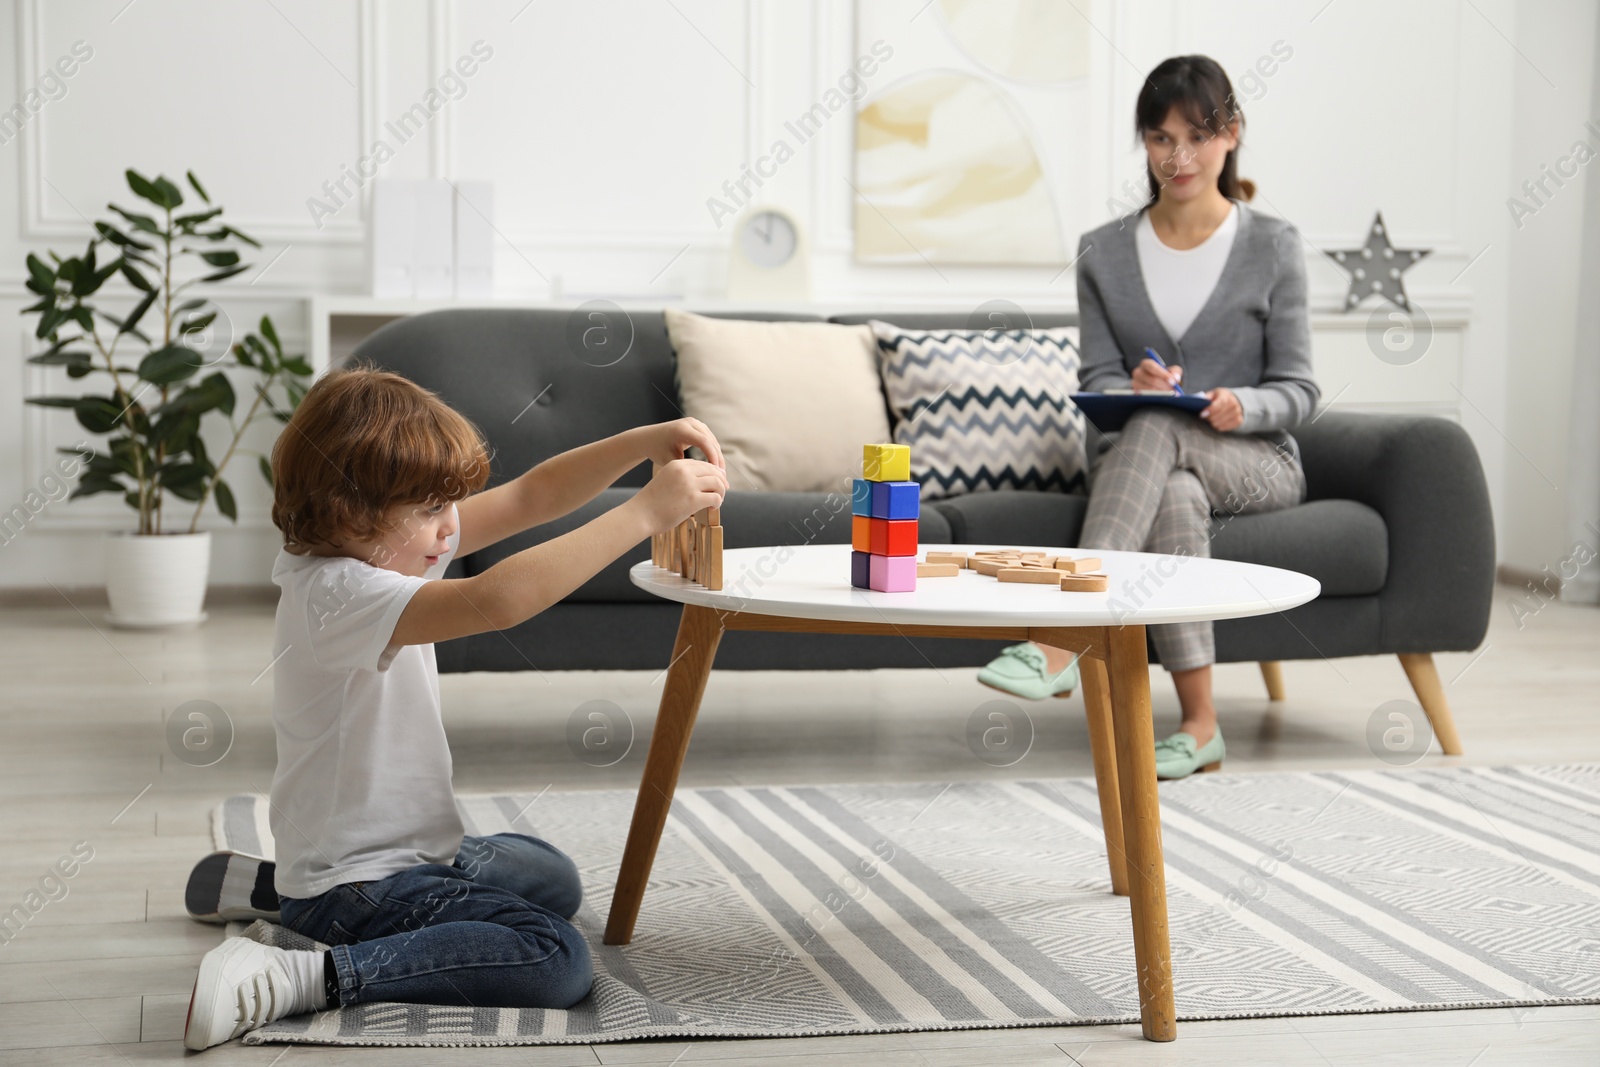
column 1199, row 88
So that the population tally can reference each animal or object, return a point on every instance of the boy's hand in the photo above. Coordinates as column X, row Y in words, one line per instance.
column 667, row 441
column 678, row 490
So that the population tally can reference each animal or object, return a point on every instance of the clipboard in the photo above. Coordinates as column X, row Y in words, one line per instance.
column 1109, row 411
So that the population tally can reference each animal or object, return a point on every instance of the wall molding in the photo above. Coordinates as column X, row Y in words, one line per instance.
column 36, row 225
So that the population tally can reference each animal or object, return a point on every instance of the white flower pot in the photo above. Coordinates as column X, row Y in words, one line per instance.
column 157, row 580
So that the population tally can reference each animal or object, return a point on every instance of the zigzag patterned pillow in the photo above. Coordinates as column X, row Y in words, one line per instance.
column 985, row 409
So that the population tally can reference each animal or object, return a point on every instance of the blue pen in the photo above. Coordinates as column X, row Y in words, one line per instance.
column 1152, row 354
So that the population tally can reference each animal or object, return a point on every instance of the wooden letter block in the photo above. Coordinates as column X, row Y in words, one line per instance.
column 957, row 558
column 1084, row 583
column 1034, row 575
column 711, row 573
column 1078, row 566
column 991, row 567
column 937, row 570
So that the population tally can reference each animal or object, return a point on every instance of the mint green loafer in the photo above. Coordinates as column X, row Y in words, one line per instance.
column 1020, row 671
column 1179, row 756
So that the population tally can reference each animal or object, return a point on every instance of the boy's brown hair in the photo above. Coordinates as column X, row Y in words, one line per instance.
column 360, row 441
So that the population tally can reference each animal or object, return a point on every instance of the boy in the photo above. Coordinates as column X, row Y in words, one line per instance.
column 376, row 490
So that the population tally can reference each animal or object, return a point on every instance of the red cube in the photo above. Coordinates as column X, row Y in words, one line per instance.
column 894, row 537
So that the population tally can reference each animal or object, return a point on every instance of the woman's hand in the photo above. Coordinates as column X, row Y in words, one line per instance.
column 1152, row 376
column 667, row 441
column 1224, row 413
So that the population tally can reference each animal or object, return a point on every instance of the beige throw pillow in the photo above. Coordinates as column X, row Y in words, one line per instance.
column 791, row 403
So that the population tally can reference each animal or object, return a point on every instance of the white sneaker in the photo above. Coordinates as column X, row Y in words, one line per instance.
column 244, row 984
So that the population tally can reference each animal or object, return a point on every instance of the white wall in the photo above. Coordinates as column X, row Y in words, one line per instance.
column 606, row 126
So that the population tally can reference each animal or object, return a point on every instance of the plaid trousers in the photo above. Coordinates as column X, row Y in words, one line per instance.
column 1156, row 487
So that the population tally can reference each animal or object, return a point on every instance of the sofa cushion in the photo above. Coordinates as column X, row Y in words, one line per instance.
column 749, row 519
column 1013, row 517
column 1342, row 544
column 535, row 380
column 791, row 403
column 985, row 409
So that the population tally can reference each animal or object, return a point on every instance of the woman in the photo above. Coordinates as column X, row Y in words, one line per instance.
column 1219, row 292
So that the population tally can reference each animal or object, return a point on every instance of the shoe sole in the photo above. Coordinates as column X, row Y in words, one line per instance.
column 1063, row 695
column 194, row 995
column 221, row 886
column 1207, row 769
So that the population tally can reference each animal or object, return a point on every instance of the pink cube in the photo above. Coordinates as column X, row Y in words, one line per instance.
column 892, row 574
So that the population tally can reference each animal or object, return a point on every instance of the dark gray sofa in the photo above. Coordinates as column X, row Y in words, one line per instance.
column 1396, row 525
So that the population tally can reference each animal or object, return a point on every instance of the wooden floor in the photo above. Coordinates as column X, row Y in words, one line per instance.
column 102, row 974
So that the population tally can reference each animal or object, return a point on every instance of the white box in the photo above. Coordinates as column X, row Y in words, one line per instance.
column 474, row 230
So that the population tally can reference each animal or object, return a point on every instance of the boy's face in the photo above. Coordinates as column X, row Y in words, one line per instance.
column 417, row 537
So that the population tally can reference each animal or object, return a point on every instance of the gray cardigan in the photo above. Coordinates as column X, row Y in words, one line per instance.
column 1252, row 335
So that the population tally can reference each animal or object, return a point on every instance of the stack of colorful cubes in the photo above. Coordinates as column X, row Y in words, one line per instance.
column 883, row 521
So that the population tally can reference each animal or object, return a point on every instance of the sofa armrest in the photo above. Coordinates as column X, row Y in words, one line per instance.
column 1422, row 474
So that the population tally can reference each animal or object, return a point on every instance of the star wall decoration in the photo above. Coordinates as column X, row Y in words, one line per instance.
column 1377, row 266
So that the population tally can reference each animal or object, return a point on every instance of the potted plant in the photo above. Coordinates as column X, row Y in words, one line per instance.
column 156, row 575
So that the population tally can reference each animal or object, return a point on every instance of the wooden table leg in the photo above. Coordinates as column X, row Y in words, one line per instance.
column 1129, row 668
column 699, row 632
column 1102, row 745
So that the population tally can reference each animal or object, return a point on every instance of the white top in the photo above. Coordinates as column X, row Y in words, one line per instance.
column 362, row 788
column 1179, row 281
column 813, row 582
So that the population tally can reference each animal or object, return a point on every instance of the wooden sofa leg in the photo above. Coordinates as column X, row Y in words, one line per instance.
column 1272, row 674
column 1424, row 678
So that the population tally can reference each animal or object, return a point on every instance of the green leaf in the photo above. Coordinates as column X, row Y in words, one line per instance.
column 160, row 192
column 135, row 279
column 41, row 274
column 140, row 222
column 298, row 365
column 170, row 363
column 224, row 231
column 188, row 222
column 98, row 414
column 184, row 479
column 90, row 484
column 190, row 304
column 127, row 325
column 266, row 468
column 270, row 332
column 57, row 357
column 127, row 243
column 198, row 187
column 221, row 259
column 224, row 497
column 49, row 322
column 173, row 195
column 226, row 272
column 175, row 428
column 217, row 385
column 53, row 401
column 197, row 323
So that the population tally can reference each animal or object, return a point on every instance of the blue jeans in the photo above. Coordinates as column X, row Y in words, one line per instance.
column 490, row 930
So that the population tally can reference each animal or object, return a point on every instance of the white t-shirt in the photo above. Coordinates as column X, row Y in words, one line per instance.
column 1179, row 281
column 362, row 788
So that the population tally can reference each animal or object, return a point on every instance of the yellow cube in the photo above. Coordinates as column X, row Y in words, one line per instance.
column 886, row 463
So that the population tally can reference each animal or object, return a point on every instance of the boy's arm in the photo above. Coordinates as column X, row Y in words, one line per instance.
column 524, row 584
column 565, row 482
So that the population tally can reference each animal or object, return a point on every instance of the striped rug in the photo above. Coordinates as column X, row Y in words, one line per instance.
column 794, row 911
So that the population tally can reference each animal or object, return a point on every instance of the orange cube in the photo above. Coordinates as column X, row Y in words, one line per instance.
column 861, row 533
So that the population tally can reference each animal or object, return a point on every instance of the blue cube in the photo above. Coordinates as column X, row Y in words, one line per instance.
column 861, row 497
column 861, row 570
column 896, row 500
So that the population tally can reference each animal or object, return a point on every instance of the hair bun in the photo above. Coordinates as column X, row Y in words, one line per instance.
column 1247, row 189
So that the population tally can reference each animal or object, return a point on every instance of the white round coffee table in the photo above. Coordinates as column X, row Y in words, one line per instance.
column 806, row 589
